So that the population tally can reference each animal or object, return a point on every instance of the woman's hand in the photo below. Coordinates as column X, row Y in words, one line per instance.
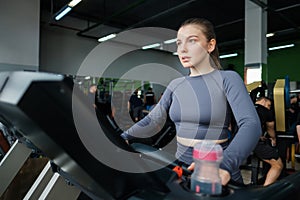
column 224, row 175
column 191, row 167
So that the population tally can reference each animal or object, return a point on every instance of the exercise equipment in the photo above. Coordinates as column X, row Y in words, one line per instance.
column 285, row 133
column 39, row 107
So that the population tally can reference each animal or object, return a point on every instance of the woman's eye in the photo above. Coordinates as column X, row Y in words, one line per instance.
column 192, row 40
column 178, row 43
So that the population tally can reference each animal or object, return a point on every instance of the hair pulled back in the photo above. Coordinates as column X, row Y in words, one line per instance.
column 208, row 30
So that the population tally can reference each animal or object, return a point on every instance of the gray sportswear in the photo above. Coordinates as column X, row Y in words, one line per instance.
column 200, row 106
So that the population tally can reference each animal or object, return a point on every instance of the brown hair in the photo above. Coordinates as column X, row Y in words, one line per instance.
column 208, row 30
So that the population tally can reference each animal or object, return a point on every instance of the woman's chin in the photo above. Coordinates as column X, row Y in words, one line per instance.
column 187, row 66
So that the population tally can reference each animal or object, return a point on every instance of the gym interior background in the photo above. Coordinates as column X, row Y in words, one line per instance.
column 32, row 40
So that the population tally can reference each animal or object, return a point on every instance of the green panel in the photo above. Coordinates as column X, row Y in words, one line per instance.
column 237, row 62
column 265, row 74
column 284, row 62
column 279, row 63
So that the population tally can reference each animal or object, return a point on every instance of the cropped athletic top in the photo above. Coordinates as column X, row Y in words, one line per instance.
column 200, row 106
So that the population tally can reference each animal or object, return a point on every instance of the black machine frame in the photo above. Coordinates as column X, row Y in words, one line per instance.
column 39, row 110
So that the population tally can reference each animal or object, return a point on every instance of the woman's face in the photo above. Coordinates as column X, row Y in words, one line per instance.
column 192, row 46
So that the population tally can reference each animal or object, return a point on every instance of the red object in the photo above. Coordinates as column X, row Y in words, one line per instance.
column 206, row 155
column 178, row 171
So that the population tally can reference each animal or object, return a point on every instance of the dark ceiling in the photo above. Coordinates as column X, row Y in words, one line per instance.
column 102, row 17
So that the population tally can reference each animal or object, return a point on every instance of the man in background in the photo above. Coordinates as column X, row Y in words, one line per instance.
column 135, row 106
column 149, row 99
column 268, row 153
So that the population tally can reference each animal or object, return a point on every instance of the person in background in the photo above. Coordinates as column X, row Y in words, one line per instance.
column 199, row 104
column 135, row 106
column 259, row 91
column 149, row 100
column 268, row 153
column 92, row 94
column 298, row 128
column 293, row 111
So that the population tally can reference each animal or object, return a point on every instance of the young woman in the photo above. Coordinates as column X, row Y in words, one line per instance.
column 200, row 104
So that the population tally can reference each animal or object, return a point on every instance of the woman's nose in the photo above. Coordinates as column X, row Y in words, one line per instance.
column 182, row 48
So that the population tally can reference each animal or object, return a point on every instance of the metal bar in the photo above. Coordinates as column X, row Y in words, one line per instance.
column 295, row 91
column 12, row 163
column 58, row 189
column 118, row 13
column 159, row 14
column 284, row 17
column 41, row 182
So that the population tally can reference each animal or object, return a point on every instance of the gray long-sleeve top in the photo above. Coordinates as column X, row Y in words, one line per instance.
column 199, row 107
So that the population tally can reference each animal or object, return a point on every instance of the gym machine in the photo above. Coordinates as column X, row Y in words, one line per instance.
column 39, row 107
column 285, row 133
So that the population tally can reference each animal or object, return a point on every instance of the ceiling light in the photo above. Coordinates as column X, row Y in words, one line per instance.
column 281, row 47
column 108, row 37
column 228, row 55
column 66, row 9
column 170, row 41
column 62, row 13
column 73, row 3
column 151, row 46
column 270, row 34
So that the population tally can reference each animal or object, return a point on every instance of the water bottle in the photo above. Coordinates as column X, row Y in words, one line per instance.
column 207, row 157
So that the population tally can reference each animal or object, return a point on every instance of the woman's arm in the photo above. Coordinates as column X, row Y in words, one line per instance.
column 248, row 123
column 153, row 122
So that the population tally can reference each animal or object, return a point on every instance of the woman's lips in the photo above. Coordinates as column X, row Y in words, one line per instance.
column 185, row 59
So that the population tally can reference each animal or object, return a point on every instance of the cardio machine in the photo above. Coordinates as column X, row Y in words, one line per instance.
column 44, row 111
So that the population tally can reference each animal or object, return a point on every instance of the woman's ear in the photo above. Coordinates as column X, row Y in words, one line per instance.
column 211, row 45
